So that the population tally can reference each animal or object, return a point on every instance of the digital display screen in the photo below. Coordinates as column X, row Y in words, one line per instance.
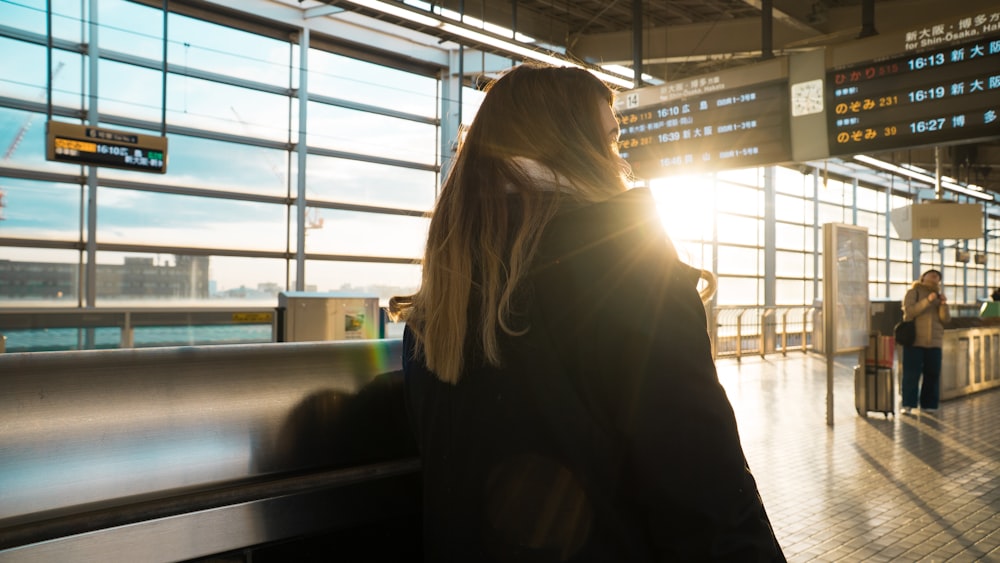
column 949, row 94
column 95, row 146
column 715, row 130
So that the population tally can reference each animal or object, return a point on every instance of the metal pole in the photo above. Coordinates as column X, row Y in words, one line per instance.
column 784, row 333
column 93, row 118
column 767, row 29
column 163, row 94
column 637, row 42
column 300, row 194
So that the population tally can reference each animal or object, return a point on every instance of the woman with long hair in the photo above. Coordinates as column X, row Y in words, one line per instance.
column 558, row 368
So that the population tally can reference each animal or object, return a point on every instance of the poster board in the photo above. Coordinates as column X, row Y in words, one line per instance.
column 846, row 307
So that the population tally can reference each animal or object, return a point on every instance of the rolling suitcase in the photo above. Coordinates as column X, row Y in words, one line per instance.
column 874, row 384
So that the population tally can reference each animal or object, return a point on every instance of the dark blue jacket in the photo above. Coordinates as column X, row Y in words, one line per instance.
column 605, row 435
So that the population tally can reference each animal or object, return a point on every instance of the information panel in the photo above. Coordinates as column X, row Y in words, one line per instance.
column 96, row 146
column 846, row 316
column 733, row 119
column 944, row 95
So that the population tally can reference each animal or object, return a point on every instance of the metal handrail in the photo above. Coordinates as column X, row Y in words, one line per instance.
column 733, row 330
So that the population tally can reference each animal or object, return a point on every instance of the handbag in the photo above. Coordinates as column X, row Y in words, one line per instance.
column 905, row 333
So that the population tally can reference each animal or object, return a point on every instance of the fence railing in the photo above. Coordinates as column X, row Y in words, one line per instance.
column 739, row 331
column 36, row 330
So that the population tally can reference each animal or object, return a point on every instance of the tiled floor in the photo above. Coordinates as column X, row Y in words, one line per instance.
column 907, row 488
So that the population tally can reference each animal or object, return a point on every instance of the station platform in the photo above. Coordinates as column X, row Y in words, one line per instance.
column 915, row 488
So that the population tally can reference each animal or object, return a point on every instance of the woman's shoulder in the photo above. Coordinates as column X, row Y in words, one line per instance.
column 629, row 213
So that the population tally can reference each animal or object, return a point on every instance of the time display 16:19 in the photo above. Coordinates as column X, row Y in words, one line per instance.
column 935, row 93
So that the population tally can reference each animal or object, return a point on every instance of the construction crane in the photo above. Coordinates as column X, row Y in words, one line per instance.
column 17, row 141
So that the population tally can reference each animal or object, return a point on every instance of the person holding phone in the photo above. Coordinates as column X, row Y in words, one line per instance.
column 926, row 305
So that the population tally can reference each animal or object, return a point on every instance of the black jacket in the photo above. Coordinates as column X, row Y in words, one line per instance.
column 605, row 435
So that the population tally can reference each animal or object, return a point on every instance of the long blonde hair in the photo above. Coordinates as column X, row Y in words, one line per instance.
column 491, row 213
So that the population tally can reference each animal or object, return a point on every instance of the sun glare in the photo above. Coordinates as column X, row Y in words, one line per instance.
column 685, row 205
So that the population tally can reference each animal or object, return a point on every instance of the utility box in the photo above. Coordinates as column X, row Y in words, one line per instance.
column 310, row 316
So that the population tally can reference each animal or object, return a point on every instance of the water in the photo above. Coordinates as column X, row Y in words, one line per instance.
column 52, row 339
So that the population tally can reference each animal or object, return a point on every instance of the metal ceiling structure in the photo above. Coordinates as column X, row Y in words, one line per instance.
column 684, row 38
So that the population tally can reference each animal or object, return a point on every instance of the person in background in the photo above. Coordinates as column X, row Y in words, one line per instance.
column 557, row 362
column 927, row 307
column 995, row 295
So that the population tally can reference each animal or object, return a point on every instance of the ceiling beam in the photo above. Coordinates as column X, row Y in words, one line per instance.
column 793, row 13
column 743, row 35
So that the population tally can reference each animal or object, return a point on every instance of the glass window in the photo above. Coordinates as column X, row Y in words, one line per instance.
column 38, row 277
column 793, row 209
column 210, row 106
column 740, row 230
column 128, row 27
column 791, row 292
column 835, row 191
column 899, row 249
column 24, row 73
column 23, row 135
column 248, row 280
column 792, row 237
column 135, row 279
column 367, row 234
column 134, row 217
column 130, row 91
column 739, row 199
column 207, row 164
column 695, row 253
column 354, row 181
column 876, row 246
column 790, row 264
column 741, row 261
column 739, row 291
column 869, row 220
column 40, row 210
column 371, row 134
column 29, row 15
column 753, row 177
column 833, row 214
column 345, row 78
column 899, row 272
column 224, row 50
column 789, row 181
column 382, row 280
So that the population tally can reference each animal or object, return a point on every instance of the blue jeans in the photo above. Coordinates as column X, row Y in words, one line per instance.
column 917, row 361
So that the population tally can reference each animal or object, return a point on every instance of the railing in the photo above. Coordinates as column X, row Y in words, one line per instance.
column 34, row 330
column 738, row 331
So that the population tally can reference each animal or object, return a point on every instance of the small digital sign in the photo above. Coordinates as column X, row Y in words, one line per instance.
column 96, row 146
column 945, row 95
column 733, row 119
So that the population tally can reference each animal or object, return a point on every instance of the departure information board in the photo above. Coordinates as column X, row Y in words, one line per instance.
column 948, row 94
column 96, row 146
column 734, row 119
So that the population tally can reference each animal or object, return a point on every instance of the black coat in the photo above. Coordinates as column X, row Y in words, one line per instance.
column 605, row 435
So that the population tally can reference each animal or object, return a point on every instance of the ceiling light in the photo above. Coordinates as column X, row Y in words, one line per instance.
column 912, row 172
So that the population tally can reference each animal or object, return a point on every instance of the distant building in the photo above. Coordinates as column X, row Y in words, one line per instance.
column 137, row 277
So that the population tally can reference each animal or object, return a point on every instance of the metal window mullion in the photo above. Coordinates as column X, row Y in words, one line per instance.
column 348, row 104
column 770, row 237
column 817, row 246
column 93, row 118
column 302, row 152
